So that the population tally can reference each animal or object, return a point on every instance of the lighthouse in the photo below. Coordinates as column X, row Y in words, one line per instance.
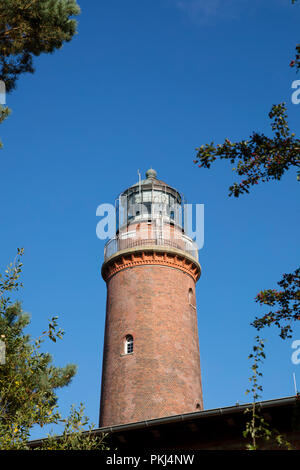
column 151, row 361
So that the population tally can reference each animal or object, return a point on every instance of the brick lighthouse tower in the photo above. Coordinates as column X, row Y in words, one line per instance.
column 151, row 363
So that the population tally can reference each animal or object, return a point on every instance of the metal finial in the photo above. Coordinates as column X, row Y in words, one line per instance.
column 151, row 173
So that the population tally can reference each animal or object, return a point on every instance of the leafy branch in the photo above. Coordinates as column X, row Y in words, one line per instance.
column 4, row 113
column 286, row 303
column 30, row 28
column 75, row 436
column 28, row 378
column 257, row 428
column 258, row 159
column 296, row 62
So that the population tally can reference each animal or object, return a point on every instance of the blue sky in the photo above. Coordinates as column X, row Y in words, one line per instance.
column 143, row 84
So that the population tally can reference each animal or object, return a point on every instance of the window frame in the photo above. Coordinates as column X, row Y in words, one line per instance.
column 128, row 344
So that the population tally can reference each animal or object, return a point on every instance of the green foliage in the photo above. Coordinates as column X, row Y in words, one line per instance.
column 260, row 432
column 29, row 380
column 74, row 436
column 4, row 113
column 296, row 62
column 257, row 428
column 286, row 303
column 29, row 28
column 258, row 159
column 258, row 356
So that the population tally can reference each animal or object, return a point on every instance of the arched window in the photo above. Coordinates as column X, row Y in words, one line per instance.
column 129, row 344
column 191, row 297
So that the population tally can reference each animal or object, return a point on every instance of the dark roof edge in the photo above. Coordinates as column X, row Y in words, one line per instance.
column 197, row 414
column 188, row 416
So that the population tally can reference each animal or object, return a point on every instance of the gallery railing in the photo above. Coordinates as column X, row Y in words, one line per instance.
column 183, row 243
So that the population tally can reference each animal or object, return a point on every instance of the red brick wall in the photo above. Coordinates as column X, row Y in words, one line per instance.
column 162, row 376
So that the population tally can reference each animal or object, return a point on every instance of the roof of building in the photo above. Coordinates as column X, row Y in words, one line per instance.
column 151, row 178
column 151, row 182
column 219, row 428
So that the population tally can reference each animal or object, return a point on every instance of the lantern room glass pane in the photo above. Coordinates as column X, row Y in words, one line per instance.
column 147, row 196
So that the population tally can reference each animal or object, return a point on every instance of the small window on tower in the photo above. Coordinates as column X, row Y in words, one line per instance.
column 129, row 344
column 191, row 297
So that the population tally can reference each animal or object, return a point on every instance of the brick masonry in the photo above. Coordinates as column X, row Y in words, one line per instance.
column 155, row 303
